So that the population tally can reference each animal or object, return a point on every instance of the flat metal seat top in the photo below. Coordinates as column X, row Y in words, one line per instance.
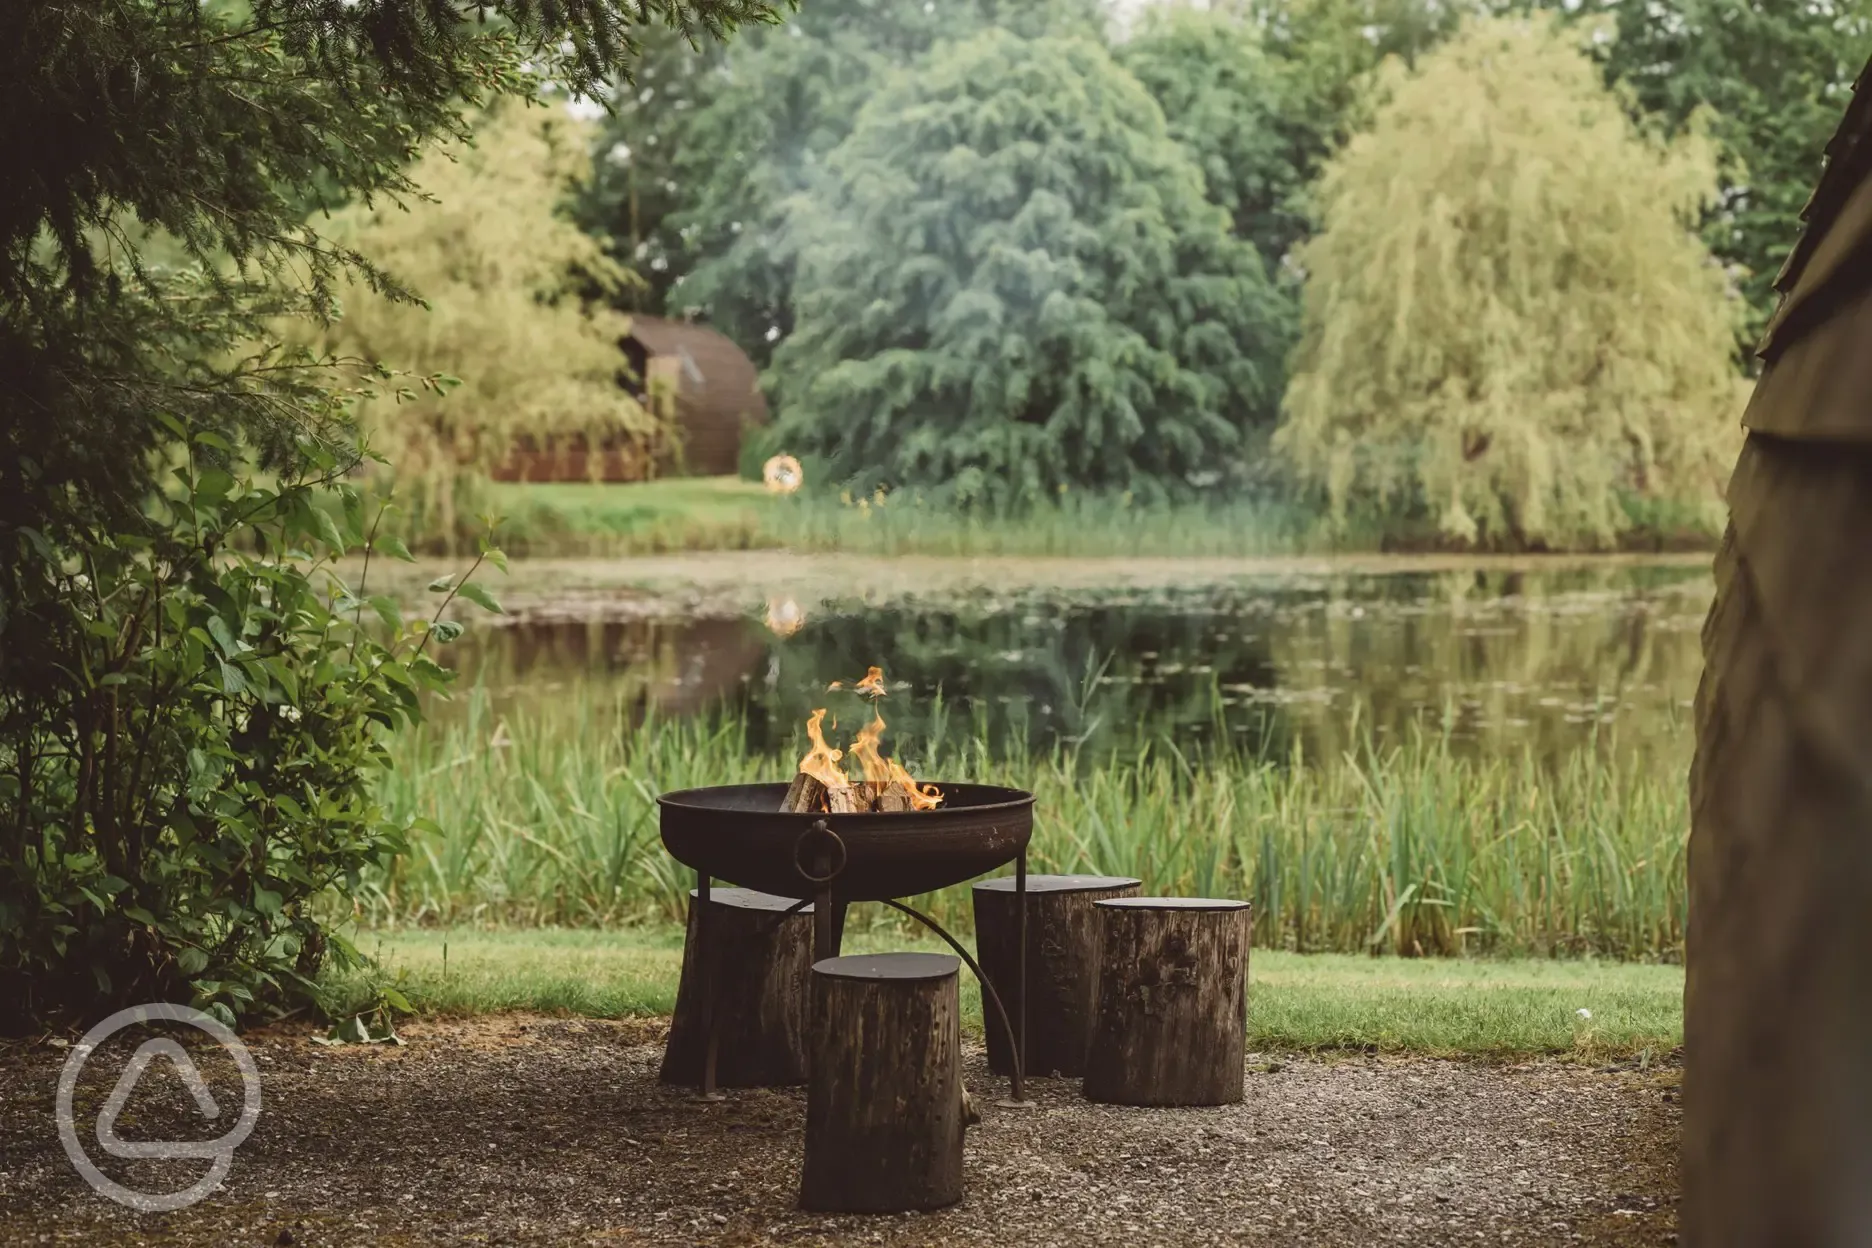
column 1173, row 903
column 1058, row 883
column 907, row 966
column 748, row 899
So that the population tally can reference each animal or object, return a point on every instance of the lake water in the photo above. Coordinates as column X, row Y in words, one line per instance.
column 1503, row 659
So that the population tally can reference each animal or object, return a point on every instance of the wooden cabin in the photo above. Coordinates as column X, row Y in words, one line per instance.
column 715, row 390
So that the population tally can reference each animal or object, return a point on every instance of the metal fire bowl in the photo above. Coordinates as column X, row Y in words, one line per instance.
column 735, row 832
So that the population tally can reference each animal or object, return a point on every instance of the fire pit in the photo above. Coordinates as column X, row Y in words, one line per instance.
column 737, row 833
column 830, row 839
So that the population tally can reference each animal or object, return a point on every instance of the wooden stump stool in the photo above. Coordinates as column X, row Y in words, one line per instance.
column 1171, row 1023
column 760, row 958
column 884, row 1106
column 1062, row 964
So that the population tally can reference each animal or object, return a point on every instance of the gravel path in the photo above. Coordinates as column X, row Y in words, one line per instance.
column 516, row 1130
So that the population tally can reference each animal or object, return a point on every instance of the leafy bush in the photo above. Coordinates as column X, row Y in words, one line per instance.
column 191, row 760
column 1009, row 282
column 186, row 731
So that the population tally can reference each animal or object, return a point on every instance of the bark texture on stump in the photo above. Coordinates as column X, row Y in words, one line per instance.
column 884, row 1107
column 1778, row 995
column 762, row 958
column 1062, row 964
column 1171, row 1022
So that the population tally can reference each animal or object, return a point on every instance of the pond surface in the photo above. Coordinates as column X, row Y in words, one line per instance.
column 1503, row 657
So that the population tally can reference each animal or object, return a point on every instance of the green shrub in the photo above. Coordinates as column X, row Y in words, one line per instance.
column 187, row 756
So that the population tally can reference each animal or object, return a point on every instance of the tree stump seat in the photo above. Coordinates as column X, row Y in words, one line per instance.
column 1170, row 1025
column 1062, row 965
column 885, row 1109
column 759, row 959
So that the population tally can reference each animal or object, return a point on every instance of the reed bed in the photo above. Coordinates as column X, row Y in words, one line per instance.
column 1413, row 848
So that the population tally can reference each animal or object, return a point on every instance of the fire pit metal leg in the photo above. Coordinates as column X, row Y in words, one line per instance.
column 705, row 950
column 1020, row 903
column 1016, row 1082
column 825, row 931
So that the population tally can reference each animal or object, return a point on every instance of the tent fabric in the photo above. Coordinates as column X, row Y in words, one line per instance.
column 1778, row 998
column 1778, row 1001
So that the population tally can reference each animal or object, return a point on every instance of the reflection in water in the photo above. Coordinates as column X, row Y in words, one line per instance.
column 1501, row 661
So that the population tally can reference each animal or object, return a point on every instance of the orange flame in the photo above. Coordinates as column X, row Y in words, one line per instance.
column 865, row 750
column 926, row 797
column 821, row 762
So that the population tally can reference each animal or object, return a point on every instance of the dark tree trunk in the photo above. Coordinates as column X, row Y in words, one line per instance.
column 884, row 1108
column 762, row 958
column 1062, row 964
column 1171, row 1021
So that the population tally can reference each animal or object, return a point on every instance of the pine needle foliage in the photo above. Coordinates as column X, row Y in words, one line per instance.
column 504, row 273
column 1010, row 284
column 1508, row 325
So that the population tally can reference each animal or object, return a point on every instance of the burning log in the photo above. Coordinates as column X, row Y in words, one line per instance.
column 821, row 785
column 805, row 795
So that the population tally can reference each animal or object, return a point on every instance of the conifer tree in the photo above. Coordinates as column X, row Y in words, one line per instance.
column 1509, row 326
column 697, row 166
column 1010, row 283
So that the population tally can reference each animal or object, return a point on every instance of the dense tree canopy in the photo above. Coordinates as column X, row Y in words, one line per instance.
column 714, row 143
column 1507, row 324
column 1010, row 283
column 222, row 125
column 503, row 271
column 1227, row 103
column 1777, row 75
column 191, row 703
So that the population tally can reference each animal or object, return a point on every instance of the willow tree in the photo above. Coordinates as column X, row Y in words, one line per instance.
column 505, row 274
column 1009, row 282
column 1510, row 332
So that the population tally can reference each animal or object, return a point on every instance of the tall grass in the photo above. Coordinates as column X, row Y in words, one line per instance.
column 1076, row 525
column 1413, row 849
column 661, row 517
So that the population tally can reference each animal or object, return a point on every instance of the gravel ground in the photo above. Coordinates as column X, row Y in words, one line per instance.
column 518, row 1130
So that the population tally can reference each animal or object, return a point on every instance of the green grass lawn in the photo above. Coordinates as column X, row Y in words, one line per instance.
column 652, row 517
column 1296, row 1002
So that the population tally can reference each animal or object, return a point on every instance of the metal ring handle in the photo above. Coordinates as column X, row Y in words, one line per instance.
column 819, row 828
